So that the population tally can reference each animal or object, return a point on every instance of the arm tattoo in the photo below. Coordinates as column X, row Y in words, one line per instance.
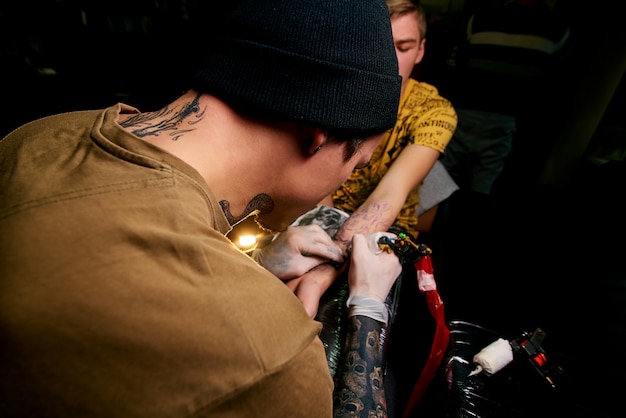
column 359, row 391
column 263, row 202
column 170, row 121
column 367, row 219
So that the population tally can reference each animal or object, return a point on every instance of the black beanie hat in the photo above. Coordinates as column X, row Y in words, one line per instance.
column 329, row 64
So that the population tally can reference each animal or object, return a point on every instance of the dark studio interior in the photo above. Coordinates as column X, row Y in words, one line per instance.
column 544, row 249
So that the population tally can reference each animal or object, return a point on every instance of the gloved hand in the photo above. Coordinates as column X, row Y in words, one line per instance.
column 371, row 276
column 297, row 250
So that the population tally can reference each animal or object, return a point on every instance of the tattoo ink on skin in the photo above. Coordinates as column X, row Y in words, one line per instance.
column 359, row 390
column 140, row 124
column 365, row 220
column 262, row 202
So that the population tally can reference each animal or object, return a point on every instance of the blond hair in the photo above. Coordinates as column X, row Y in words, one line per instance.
column 402, row 7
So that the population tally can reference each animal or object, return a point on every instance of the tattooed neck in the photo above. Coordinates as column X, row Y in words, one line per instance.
column 262, row 203
column 173, row 122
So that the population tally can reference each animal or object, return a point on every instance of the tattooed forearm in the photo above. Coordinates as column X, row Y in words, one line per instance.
column 367, row 219
column 359, row 391
column 169, row 120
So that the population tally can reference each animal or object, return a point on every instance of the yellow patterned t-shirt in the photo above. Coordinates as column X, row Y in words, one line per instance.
column 424, row 118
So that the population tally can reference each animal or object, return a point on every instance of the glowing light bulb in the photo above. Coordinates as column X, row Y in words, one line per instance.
column 246, row 242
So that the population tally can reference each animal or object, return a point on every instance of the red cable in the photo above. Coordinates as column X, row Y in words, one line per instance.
column 440, row 340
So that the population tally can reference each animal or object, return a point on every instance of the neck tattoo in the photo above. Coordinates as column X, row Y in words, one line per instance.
column 260, row 204
column 173, row 122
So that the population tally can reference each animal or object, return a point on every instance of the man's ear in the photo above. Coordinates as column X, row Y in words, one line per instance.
column 318, row 140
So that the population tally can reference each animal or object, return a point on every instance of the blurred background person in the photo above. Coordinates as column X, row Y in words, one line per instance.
column 507, row 47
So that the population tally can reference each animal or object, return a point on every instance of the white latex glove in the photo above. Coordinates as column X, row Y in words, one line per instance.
column 297, row 250
column 372, row 270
